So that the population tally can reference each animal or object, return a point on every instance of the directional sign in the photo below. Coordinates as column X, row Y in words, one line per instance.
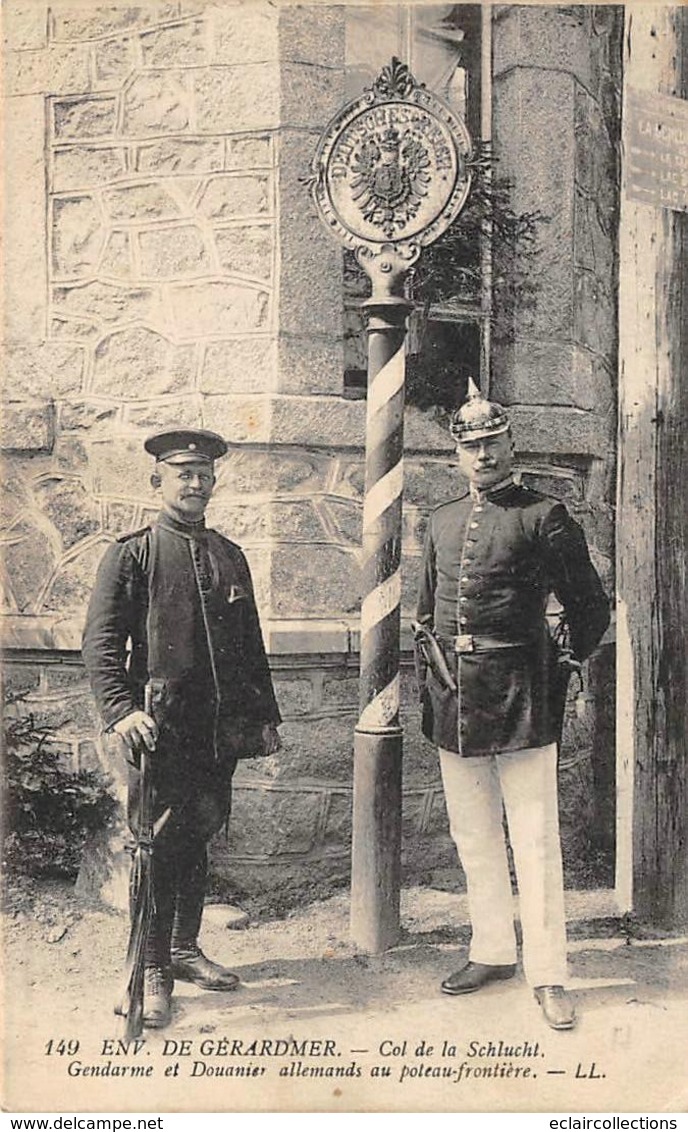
column 657, row 150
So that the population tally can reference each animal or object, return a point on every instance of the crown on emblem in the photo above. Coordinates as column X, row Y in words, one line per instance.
column 477, row 417
column 390, row 140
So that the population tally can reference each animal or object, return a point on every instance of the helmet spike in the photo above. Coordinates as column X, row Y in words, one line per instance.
column 477, row 417
column 473, row 390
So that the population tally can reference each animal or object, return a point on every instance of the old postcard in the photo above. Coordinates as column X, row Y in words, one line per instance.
column 343, row 411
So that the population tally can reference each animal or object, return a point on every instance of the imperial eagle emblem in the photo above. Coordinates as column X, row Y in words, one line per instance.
column 390, row 175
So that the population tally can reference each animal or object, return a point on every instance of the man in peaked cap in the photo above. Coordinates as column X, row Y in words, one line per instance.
column 492, row 558
column 173, row 607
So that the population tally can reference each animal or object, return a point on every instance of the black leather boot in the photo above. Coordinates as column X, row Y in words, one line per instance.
column 160, row 931
column 192, row 966
column 157, row 997
column 188, row 961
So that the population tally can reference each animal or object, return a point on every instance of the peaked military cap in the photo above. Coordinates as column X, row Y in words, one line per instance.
column 477, row 417
column 185, row 444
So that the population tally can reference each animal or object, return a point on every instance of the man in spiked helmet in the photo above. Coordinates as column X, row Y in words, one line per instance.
column 494, row 708
column 173, row 612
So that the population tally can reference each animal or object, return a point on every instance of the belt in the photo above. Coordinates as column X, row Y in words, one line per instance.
column 466, row 642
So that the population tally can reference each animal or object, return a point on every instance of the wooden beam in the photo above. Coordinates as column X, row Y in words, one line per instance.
column 652, row 518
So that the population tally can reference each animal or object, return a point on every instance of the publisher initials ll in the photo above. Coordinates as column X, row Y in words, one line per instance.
column 590, row 1072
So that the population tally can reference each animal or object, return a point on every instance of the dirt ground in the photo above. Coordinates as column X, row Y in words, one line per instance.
column 317, row 1026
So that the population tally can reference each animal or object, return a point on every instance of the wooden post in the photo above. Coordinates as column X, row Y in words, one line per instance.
column 652, row 519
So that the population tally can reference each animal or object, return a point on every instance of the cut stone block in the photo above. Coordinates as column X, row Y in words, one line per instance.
column 42, row 369
column 167, row 253
column 83, row 118
column 246, row 35
column 141, row 202
column 229, row 197
column 69, row 508
column 180, row 155
column 322, row 579
column 180, row 45
column 247, row 251
column 139, row 363
column 239, row 365
column 249, row 152
column 236, row 98
column 29, row 561
column 157, row 103
column 78, row 236
column 86, row 167
column 27, row 427
column 218, row 308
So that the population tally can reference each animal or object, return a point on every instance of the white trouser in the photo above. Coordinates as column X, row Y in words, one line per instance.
column 526, row 781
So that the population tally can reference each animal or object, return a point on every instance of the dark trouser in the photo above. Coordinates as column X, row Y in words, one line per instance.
column 198, row 796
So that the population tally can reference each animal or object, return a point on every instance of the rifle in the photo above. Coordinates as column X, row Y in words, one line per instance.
column 130, row 1006
column 428, row 648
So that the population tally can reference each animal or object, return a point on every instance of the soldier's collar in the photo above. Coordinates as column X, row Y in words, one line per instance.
column 189, row 530
column 479, row 496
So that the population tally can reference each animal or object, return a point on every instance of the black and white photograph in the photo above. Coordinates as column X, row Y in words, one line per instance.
column 344, row 538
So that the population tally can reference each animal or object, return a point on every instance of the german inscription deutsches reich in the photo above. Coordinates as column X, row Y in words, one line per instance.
column 392, row 165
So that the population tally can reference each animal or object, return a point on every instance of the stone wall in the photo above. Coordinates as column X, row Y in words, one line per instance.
column 163, row 269
column 167, row 267
column 164, row 265
column 289, row 837
column 557, row 89
column 178, row 274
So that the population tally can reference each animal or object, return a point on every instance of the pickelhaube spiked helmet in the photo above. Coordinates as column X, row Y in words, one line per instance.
column 477, row 417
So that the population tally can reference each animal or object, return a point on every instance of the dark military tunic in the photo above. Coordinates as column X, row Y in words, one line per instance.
column 491, row 562
column 174, row 603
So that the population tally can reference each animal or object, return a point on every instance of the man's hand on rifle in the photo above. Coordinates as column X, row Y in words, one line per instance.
column 139, row 730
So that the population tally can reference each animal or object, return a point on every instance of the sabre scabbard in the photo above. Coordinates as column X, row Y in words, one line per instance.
column 431, row 650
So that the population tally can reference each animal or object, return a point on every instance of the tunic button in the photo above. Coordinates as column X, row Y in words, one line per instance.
column 463, row 600
column 478, row 508
column 473, row 526
column 463, row 620
column 465, row 578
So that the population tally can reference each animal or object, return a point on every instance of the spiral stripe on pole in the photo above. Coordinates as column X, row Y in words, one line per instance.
column 381, row 601
column 388, row 381
column 381, row 572
column 385, row 707
column 378, row 497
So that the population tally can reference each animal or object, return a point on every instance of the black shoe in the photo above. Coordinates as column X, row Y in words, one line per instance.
column 192, row 966
column 556, row 1006
column 157, row 997
column 476, row 975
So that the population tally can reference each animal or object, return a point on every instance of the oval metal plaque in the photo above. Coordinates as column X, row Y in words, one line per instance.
column 391, row 167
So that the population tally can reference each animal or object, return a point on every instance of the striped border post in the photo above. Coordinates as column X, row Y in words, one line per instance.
column 376, row 859
column 390, row 174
